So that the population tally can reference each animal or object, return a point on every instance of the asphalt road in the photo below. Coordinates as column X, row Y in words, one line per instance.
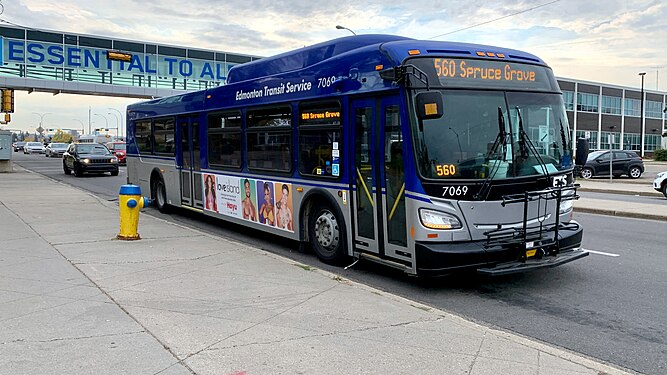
column 609, row 306
column 102, row 185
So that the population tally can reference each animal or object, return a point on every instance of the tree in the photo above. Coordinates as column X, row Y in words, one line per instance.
column 61, row 136
column 660, row 155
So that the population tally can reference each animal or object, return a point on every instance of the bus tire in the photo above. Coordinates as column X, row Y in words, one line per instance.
column 326, row 232
column 159, row 194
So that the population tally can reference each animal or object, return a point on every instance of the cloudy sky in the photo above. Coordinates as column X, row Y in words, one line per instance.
column 607, row 41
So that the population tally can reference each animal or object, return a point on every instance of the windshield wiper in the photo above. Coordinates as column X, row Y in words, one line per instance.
column 525, row 145
column 501, row 139
column 423, row 155
column 562, row 136
column 566, row 157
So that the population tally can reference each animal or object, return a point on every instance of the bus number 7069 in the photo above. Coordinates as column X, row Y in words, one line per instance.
column 326, row 81
column 454, row 191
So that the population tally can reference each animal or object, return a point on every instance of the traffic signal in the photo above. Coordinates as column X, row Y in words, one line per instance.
column 8, row 101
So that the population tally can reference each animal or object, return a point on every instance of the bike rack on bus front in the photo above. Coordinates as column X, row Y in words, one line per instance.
column 531, row 235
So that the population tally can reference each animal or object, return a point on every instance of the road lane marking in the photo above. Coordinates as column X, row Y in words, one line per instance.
column 603, row 253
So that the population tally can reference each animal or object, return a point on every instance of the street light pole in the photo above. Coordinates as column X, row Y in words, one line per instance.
column 339, row 27
column 105, row 119
column 641, row 115
column 120, row 116
column 117, row 121
column 83, row 128
column 41, row 120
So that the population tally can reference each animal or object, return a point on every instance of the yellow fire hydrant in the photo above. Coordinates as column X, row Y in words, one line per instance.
column 130, row 202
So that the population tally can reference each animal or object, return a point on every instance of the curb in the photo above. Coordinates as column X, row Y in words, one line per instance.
column 621, row 192
column 619, row 180
column 634, row 215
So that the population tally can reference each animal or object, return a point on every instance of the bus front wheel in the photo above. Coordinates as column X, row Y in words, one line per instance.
column 159, row 194
column 327, row 234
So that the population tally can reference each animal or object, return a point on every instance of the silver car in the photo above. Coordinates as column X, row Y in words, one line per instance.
column 34, row 148
column 55, row 149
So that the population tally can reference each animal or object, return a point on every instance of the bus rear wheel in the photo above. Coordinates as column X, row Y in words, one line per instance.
column 327, row 234
column 159, row 194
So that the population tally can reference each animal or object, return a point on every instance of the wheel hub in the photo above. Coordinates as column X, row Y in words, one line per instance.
column 160, row 194
column 326, row 230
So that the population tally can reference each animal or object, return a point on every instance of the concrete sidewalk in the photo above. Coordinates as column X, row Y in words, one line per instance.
column 654, row 211
column 74, row 300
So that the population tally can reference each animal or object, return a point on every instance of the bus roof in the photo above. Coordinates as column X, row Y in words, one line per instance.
column 247, row 83
column 304, row 57
column 396, row 47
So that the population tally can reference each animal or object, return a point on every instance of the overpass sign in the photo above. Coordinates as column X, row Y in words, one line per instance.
column 60, row 62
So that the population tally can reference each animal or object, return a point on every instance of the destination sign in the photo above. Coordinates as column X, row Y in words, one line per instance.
column 487, row 74
column 320, row 115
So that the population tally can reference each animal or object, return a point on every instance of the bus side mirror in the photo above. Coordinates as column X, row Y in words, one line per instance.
column 429, row 105
column 582, row 151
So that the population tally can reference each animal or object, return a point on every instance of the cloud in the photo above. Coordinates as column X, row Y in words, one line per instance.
column 596, row 40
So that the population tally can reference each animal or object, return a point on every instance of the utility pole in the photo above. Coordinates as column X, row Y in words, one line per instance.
column 641, row 116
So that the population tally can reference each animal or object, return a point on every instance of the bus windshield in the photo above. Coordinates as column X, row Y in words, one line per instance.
column 494, row 135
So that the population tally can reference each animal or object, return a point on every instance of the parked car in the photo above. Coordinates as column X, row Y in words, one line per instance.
column 118, row 149
column 18, row 146
column 55, row 149
column 34, row 148
column 83, row 158
column 660, row 183
column 623, row 162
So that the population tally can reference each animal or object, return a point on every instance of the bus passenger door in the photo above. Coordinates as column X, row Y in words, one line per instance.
column 364, row 192
column 378, row 187
column 393, row 180
column 189, row 162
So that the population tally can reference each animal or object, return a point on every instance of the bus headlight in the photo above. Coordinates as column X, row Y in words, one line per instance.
column 438, row 220
column 567, row 202
column 566, row 206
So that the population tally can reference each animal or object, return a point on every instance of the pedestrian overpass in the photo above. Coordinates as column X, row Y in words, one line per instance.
column 57, row 62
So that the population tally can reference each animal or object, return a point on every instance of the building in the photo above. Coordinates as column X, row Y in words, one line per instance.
column 610, row 116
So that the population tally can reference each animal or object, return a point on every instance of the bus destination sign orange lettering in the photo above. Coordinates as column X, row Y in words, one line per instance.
column 482, row 70
column 323, row 115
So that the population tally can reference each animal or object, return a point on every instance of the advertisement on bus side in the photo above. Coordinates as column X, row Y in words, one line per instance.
column 265, row 202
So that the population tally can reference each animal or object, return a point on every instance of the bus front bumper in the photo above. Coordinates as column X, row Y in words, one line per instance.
column 435, row 258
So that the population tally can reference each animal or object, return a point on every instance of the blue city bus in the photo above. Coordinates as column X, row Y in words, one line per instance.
column 428, row 156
